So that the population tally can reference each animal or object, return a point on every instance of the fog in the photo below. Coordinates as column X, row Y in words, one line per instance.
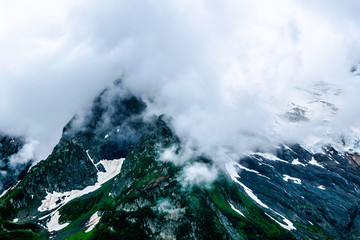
column 224, row 70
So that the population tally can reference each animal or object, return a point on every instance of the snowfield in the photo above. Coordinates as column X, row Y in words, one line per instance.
column 53, row 201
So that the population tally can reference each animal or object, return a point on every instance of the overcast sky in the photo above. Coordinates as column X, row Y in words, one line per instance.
column 218, row 67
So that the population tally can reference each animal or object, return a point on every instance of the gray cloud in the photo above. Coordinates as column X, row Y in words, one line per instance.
column 224, row 70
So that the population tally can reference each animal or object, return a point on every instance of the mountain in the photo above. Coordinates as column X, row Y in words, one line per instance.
column 113, row 175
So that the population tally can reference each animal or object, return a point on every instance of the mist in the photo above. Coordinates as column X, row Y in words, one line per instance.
column 225, row 71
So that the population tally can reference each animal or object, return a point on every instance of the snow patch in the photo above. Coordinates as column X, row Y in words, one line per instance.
column 321, row 187
column 10, row 188
column 234, row 175
column 315, row 163
column 92, row 160
column 268, row 156
column 286, row 178
column 288, row 148
column 57, row 199
column 107, row 135
column 15, row 220
column 236, row 210
column 288, row 224
column 93, row 221
column 297, row 162
column 53, row 224
column 45, row 216
column 112, row 168
column 4, row 192
column 251, row 170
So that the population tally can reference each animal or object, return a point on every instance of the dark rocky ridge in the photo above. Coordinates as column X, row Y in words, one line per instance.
column 327, row 198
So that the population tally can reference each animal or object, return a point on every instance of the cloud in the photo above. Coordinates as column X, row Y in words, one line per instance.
column 46, row 73
column 26, row 154
column 224, row 70
column 199, row 174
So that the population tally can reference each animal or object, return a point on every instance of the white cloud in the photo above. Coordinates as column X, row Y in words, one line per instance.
column 198, row 174
column 218, row 67
column 26, row 153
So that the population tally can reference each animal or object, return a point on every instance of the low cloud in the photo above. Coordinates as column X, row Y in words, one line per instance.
column 199, row 174
column 224, row 70
column 26, row 154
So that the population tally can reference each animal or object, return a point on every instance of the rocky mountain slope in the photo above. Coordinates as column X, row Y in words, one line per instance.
column 107, row 179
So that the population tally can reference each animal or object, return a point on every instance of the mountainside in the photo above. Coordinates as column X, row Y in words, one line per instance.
column 107, row 178
column 316, row 192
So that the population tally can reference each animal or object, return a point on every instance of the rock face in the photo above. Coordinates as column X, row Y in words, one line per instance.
column 10, row 173
column 320, row 192
column 107, row 179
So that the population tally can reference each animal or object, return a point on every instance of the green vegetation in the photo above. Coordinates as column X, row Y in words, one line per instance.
column 115, row 225
column 11, row 231
column 256, row 225
column 81, row 236
column 20, row 235
column 88, row 203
